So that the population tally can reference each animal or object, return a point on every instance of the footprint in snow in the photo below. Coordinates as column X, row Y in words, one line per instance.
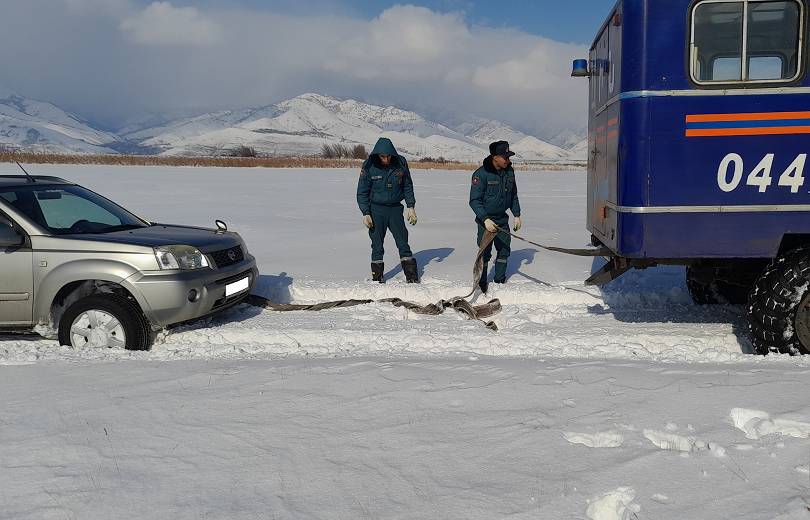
column 757, row 424
column 613, row 505
column 674, row 442
column 608, row 439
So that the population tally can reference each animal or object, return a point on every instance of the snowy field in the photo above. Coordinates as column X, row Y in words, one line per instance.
column 627, row 403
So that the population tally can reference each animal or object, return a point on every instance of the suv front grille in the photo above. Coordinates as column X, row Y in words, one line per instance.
column 228, row 257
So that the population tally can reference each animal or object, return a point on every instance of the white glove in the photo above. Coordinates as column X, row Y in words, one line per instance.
column 490, row 225
column 367, row 221
column 518, row 224
column 412, row 216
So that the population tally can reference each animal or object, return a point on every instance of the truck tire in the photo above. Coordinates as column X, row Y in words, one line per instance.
column 105, row 321
column 722, row 282
column 778, row 309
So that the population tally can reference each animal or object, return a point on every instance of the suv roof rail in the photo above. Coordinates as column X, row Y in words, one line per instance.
column 37, row 177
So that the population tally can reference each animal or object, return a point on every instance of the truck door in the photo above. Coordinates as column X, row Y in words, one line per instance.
column 612, row 163
column 597, row 123
column 16, row 283
column 603, row 128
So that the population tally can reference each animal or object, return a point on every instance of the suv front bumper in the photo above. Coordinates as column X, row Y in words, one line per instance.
column 166, row 297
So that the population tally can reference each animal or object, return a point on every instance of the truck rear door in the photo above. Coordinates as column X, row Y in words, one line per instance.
column 597, row 140
column 604, row 128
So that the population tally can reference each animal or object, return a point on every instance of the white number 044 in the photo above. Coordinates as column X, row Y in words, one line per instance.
column 731, row 170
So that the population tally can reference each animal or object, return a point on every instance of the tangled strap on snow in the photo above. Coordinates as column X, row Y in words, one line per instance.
column 459, row 303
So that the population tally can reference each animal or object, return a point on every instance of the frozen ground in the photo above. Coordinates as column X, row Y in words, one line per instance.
column 622, row 404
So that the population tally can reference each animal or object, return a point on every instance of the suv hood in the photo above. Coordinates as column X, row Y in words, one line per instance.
column 206, row 240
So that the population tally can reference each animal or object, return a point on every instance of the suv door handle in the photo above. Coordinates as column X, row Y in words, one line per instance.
column 14, row 297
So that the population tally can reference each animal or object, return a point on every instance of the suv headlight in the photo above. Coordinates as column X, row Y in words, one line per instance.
column 185, row 258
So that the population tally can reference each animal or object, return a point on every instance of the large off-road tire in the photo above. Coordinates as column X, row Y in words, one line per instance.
column 722, row 281
column 105, row 321
column 778, row 309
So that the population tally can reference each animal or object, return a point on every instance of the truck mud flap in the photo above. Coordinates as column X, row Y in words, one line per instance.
column 615, row 267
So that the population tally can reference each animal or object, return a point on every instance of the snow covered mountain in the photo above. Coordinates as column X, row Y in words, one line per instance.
column 302, row 125
column 42, row 127
column 579, row 151
column 296, row 127
column 485, row 131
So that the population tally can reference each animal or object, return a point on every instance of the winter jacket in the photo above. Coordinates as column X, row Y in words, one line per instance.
column 493, row 192
column 384, row 185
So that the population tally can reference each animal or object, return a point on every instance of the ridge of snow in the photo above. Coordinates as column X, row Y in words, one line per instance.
column 531, row 148
column 31, row 125
column 303, row 124
column 299, row 126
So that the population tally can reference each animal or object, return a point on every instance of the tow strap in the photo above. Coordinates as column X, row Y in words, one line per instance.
column 601, row 251
column 458, row 303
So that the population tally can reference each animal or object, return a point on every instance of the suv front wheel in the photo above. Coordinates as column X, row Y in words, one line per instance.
column 104, row 321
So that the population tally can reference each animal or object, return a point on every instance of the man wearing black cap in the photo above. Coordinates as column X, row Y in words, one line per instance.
column 494, row 191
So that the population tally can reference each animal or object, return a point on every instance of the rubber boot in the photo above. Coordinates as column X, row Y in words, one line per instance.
column 500, row 271
column 377, row 270
column 411, row 270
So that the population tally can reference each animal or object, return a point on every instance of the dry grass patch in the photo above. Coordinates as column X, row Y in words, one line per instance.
column 255, row 162
column 225, row 162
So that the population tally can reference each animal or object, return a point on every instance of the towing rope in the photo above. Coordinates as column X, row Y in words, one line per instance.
column 589, row 252
column 458, row 303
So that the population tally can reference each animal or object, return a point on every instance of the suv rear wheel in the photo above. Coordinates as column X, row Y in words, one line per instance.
column 104, row 321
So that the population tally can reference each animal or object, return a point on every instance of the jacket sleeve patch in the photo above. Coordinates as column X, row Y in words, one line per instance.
column 475, row 180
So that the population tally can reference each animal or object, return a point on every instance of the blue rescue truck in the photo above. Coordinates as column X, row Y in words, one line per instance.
column 698, row 133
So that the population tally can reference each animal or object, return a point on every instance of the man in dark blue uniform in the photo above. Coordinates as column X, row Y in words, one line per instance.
column 494, row 191
column 385, row 181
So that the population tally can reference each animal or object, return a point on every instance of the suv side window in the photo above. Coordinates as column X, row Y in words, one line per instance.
column 9, row 196
column 746, row 41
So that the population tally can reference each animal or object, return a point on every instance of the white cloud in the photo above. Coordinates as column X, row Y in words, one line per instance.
column 174, row 57
column 413, row 36
column 163, row 24
column 535, row 72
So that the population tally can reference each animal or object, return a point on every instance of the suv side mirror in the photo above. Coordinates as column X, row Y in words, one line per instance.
column 9, row 237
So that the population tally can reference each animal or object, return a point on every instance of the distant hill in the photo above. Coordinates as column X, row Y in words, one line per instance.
column 296, row 127
column 36, row 126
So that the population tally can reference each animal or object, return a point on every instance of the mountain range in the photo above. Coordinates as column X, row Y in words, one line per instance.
column 296, row 127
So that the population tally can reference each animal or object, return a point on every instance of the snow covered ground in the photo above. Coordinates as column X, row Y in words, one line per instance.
column 627, row 403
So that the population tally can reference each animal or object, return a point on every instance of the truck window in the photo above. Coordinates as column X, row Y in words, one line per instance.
column 766, row 67
column 743, row 41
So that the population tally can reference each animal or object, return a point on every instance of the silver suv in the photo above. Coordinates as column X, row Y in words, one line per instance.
column 74, row 262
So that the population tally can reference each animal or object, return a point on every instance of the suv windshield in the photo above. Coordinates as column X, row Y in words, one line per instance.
column 69, row 210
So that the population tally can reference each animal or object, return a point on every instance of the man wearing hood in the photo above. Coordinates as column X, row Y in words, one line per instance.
column 385, row 181
column 494, row 191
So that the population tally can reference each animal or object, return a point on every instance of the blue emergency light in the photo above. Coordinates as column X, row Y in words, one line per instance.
column 580, row 69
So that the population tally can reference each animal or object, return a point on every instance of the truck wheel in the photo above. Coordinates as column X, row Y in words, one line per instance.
column 105, row 321
column 779, row 306
column 722, row 282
